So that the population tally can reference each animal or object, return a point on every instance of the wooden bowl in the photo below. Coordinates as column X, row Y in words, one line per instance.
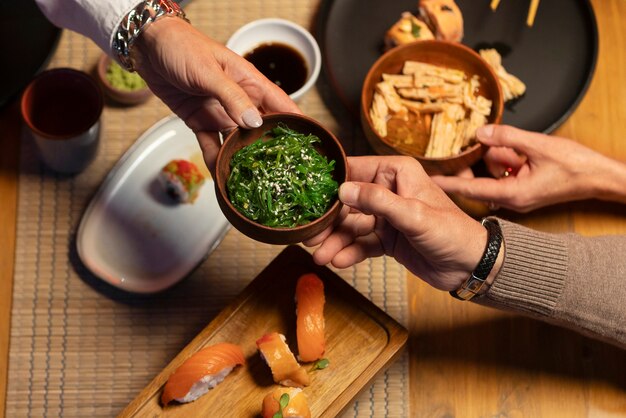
column 239, row 138
column 121, row 96
column 447, row 54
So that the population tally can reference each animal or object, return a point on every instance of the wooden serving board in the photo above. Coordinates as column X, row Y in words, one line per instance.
column 362, row 341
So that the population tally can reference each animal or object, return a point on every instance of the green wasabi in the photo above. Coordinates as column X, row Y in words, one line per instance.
column 282, row 182
column 122, row 79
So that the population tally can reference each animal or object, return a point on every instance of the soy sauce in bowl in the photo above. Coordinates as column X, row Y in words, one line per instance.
column 281, row 64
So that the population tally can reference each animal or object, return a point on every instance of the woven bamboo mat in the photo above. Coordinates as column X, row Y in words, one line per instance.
column 80, row 348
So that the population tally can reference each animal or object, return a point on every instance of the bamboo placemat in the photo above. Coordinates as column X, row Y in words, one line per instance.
column 80, row 348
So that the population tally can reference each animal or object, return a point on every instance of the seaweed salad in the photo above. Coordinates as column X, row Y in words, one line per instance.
column 281, row 180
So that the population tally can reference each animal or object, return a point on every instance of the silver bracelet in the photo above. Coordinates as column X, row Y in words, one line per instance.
column 135, row 22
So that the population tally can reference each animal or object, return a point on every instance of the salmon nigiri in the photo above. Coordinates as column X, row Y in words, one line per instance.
column 201, row 372
column 310, row 322
column 285, row 368
column 290, row 401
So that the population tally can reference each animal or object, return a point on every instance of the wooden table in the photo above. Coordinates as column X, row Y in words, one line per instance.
column 471, row 361
column 467, row 360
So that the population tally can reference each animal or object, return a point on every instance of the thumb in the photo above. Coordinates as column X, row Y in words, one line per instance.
column 374, row 199
column 237, row 104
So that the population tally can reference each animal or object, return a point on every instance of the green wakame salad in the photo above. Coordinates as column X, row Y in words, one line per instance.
column 283, row 181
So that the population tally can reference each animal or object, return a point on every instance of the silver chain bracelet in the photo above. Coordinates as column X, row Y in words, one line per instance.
column 136, row 21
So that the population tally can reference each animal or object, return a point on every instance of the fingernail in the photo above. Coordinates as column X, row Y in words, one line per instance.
column 348, row 193
column 252, row 118
column 485, row 131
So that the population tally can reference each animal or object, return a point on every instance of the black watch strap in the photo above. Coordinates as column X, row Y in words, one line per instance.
column 475, row 282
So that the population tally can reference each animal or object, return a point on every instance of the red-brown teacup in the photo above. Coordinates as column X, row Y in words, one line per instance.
column 62, row 108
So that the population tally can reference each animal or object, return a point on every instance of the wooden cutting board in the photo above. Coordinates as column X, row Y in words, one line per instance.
column 362, row 341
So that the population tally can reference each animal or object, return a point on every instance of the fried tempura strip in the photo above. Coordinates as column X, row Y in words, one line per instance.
column 421, row 80
column 443, row 131
column 399, row 80
column 512, row 87
column 448, row 74
column 379, row 113
column 420, row 107
column 475, row 121
column 392, row 99
column 433, row 93
column 459, row 138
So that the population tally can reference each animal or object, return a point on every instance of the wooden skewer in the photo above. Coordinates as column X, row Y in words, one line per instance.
column 494, row 4
column 532, row 11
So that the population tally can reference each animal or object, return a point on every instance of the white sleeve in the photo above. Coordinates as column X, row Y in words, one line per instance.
column 96, row 19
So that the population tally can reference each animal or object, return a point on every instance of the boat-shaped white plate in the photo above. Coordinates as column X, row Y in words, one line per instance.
column 136, row 237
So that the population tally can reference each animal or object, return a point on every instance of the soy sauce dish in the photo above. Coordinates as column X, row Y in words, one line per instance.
column 278, row 183
column 283, row 51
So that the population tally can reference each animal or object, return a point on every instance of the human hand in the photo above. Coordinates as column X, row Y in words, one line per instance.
column 544, row 170
column 393, row 208
column 208, row 86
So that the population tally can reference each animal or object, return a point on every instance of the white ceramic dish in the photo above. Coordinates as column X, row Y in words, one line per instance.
column 261, row 31
column 133, row 235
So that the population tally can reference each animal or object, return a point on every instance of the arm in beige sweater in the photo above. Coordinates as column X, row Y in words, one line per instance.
column 566, row 279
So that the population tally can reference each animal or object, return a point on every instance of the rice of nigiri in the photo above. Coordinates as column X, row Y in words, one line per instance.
column 285, row 368
column 310, row 323
column 297, row 407
column 202, row 372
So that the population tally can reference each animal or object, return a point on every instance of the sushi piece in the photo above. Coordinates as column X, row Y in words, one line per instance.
column 201, row 372
column 294, row 405
column 310, row 317
column 444, row 18
column 406, row 30
column 285, row 368
column 182, row 180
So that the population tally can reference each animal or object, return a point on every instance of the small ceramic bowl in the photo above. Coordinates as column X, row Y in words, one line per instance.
column 239, row 138
column 121, row 96
column 441, row 53
column 273, row 30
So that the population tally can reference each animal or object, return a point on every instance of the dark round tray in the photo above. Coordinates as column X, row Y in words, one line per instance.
column 556, row 57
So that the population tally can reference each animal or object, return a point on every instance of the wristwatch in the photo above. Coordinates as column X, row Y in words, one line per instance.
column 135, row 22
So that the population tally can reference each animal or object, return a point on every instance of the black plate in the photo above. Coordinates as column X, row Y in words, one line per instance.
column 555, row 58
column 28, row 41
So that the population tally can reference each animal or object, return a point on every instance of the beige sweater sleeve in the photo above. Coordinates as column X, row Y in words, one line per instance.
column 565, row 279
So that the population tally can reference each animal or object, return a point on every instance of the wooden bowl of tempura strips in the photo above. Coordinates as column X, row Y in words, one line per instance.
column 426, row 99
column 278, row 183
column 120, row 85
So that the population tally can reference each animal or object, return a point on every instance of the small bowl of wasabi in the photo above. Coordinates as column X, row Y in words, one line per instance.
column 120, row 85
column 278, row 183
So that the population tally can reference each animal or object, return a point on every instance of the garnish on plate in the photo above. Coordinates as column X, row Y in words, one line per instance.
column 415, row 29
column 282, row 402
column 286, row 403
column 320, row 364
column 282, row 181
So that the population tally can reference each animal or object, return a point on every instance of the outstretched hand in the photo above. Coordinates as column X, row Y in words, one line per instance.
column 393, row 208
column 542, row 170
column 208, row 86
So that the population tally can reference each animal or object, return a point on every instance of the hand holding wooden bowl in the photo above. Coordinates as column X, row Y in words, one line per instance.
column 443, row 54
column 239, row 138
